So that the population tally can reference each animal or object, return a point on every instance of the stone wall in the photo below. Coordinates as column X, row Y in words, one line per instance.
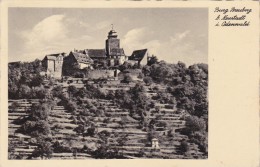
column 133, row 73
column 96, row 74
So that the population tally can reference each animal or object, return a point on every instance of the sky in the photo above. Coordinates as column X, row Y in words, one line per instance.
column 171, row 34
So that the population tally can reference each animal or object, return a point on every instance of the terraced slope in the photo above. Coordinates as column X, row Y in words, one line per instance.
column 135, row 145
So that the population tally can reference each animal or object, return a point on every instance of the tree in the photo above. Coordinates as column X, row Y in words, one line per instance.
column 80, row 129
column 14, row 106
column 36, row 128
column 11, row 149
column 152, row 60
column 184, row 147
column 39, row 111
column 161, row 72
column 148, row 80
column 181, row 64
column 36, row 124
column 24, row 91
column 146, row 70
column 71, row 106
column 12, row 90
column 122, row 139
column 140, row 75
column 44, row 150
column 39, row 92
column 72, row 90
column 43, row 127
column 57, row 91
column 37, row 80
column 138, row 88
column 104, row 134
column 125, row 66
column 127, row 79
column 194, row 123
column 57, row 147
column 122, row 124
column 91, row 130
column 102, row 151
column 56, row 128
column 81, row 93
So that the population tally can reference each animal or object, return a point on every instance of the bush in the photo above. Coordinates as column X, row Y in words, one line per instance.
column 194, row 123
column 127, row 79
column 148, row 80
column 44, row 149
column 184, row 147
column 71, row 106
column 106, row 120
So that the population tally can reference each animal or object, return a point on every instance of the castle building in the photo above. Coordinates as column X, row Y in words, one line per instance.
column 115, row 54
column 111, row 56
column 97, row 55
column 79, row 59
column 53, row 64
column 140, row 57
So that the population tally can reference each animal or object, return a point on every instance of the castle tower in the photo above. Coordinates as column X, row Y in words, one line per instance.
column 112, row 43
column 53, row 64
column 115, row 54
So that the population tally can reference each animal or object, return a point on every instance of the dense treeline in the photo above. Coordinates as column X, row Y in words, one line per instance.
column 25, row 81
column 188, row 85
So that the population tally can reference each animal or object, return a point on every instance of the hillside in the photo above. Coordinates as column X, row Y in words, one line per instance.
column 86, row 119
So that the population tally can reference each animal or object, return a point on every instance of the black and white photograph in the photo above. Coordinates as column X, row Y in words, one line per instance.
column 107, row 83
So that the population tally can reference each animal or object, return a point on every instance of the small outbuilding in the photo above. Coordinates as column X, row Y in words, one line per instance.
column 155, row 143
column 141, row 57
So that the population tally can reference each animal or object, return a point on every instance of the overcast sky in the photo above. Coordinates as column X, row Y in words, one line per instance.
column 173, row 34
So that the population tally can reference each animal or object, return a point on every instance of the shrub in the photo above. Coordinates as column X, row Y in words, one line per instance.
column 184, row 147
column 127, row 79
column 194, row 123
column 148, row 80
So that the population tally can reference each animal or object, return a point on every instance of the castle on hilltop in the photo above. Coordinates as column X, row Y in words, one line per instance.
column 111, row 56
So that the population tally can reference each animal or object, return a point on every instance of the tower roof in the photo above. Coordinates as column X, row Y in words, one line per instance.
column 112, row 32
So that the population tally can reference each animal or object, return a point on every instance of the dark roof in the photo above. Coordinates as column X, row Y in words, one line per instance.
column 81, row 58
column 138, row 55
column 95, row 53
column 112, row 34
column 117, row 51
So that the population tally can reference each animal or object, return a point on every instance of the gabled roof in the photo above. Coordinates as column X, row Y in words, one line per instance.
column 81, row 58
column 95, row 53
column 53, row 56
column 138, row 55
